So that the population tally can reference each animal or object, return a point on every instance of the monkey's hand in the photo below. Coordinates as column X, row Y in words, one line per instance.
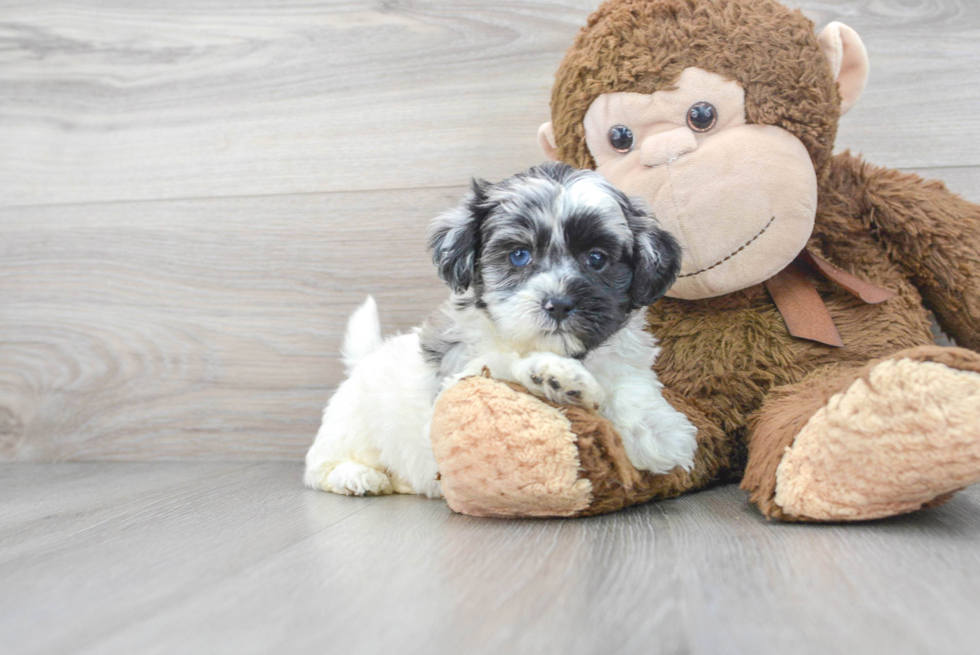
column 560, row 379
column 934, row 235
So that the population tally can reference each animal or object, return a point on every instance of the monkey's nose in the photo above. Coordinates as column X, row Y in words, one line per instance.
column 667, row 146
column 558, row 307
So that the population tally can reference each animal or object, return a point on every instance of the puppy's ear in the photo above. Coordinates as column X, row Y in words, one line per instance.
column 656, row 256
column 454, row 238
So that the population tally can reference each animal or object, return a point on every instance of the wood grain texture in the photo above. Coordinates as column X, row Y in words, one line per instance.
column 193, row 196
column 118, row 100
column 925, row 80
column 198, row 327
column 238, row 558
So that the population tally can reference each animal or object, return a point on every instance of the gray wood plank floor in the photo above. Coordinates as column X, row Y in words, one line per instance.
column 239, row 558
column 195, row 194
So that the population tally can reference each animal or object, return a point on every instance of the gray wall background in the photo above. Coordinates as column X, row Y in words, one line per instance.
column 194, row 195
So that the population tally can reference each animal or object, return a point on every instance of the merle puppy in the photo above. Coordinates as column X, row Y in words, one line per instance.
column 551, row 271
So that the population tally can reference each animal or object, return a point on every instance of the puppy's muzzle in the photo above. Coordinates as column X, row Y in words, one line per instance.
column 558, row 307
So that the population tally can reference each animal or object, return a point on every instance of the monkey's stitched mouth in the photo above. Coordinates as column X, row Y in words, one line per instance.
column 744, row 246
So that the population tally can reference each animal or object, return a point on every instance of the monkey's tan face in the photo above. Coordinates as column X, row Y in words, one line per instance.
column 741, row 199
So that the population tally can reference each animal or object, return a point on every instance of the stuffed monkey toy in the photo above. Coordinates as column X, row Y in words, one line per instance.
column 797, row 336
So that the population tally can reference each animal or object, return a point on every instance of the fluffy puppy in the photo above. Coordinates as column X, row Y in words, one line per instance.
column 551, row 271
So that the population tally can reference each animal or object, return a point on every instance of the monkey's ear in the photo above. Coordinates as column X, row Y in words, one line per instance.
column 546, row 139
column 454, row 238
column 848, row 59
column 656, row 256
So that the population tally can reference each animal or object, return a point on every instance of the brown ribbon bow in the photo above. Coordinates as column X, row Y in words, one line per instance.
column 801, row 306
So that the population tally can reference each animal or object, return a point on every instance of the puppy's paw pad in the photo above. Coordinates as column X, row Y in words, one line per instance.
column 559, row 379
column 353, row 479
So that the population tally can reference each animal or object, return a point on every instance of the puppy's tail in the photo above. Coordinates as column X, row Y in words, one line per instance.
column 363, row 334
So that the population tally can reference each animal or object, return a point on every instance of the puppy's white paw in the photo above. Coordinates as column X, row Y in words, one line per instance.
column 656, row 439
column 559, row 379
column 353, row 479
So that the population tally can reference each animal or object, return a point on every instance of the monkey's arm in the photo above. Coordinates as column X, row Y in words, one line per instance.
column 935, row 236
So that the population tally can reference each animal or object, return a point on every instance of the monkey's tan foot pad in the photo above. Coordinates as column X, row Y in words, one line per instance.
column 899, row 438
column 505, row 453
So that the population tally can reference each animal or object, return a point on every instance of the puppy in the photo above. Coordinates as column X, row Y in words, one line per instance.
column 551, row 271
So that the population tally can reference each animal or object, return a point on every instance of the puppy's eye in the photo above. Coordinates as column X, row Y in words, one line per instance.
column 520, row 257
column 597, row 260
column 702, row 117
column 621, row 138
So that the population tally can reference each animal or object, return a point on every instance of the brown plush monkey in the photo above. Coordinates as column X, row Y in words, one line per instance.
column 797, row 337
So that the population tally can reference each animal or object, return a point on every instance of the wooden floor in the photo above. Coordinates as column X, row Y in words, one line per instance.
column 195, row 194
column 239, row 558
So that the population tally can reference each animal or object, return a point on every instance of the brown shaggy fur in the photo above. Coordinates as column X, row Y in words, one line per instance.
column 616, row 484
column 787, row 409
column 732, row 356
column 755, row 360
column 785, row 84
column 729, row 363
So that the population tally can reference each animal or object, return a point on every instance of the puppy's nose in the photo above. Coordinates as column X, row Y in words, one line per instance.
column 559, row 307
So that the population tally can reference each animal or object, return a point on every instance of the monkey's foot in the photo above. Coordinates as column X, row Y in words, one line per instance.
column 504, row 452
column 904, row 435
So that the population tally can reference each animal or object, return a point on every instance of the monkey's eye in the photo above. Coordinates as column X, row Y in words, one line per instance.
column 621, row 138
column 702, row 117
column 520, row 257
column 597, row 260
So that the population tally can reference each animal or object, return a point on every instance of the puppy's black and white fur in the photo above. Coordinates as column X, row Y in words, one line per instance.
column 551, row 272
